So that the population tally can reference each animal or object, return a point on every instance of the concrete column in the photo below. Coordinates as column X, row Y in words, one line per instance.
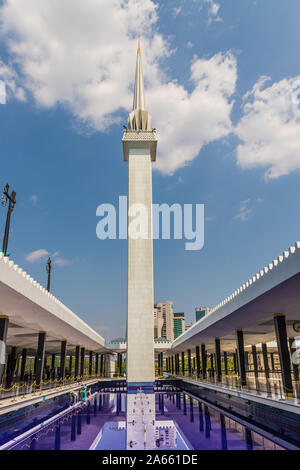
column 110, row 365
column 11, row 367
column 247, row 360
column 23, row 364
column 284, row 357
column 235, row 362
column 63, row 350
column 182, row 363
column 102, row 365
column 40, row 357
column 241, row 357
column 140, row 300
column 77, row 354
column 70, row 365
column 53, row 372
column 218, row 359
column 293, row 349
column 119, row 363
column 189, row 363
column 97, row 364
column 90, row 363
column 198, row 366
column 265, row 359
column 272, row 361
column 225, row 362
column 3, row 336
column 203, row 360
column 212, row 365
column 53, row 361
column 254, row 356
column 82, row 356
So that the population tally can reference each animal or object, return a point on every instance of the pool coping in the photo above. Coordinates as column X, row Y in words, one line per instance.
column 269, row 401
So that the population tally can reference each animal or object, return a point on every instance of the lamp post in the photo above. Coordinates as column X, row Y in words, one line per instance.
column 48, row 269
column 11, row 204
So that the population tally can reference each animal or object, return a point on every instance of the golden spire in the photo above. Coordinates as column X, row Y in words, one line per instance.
column 139, row 46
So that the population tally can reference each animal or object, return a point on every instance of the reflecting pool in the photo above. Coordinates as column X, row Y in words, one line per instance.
column 157, row 421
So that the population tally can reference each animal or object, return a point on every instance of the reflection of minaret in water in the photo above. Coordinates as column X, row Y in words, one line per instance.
column 140, row 421
column 139, row 148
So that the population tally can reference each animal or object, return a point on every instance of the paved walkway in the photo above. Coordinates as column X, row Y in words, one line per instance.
column 272, row 397
column 16, row 402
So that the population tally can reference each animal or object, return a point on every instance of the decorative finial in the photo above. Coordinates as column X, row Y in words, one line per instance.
column 139, row 46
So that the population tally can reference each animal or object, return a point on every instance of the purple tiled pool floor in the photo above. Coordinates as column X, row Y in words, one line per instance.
column 159, row 421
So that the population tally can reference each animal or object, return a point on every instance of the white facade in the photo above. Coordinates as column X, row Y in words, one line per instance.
column 164, row 320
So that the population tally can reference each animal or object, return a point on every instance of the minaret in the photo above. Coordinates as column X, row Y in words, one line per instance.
column 139, row 147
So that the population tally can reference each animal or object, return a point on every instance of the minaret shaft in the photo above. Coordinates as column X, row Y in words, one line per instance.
column 140, row 321
column 139, row 146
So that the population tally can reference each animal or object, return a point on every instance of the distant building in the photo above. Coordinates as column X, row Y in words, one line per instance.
column 163, row 320
column 179, row 324
column 188, row 326
column 201, row 312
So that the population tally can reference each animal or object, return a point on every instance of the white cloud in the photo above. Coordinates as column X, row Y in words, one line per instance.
column 270, row 129
column 11, row 80
column 189, row 45
column 61, row 261
column 101, row 328
column 186, row 122
column 42, row 253
column 82, row 55
column 213, row 9
column 176, row 11
column 34, row 199
column 244, row 211
column 36, row 255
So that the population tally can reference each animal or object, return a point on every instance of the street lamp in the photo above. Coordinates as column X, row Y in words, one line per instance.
column 11, row 204
column 48, row 269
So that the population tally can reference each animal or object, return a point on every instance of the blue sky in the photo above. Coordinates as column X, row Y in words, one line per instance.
column 222, row 142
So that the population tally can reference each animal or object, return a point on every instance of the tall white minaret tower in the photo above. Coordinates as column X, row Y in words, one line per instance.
column 139, row 147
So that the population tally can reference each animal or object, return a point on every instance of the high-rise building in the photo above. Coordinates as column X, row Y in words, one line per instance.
column 163, row 320
column 179, row 324
column 201, row 312
column 139, row 148
column 158, row 322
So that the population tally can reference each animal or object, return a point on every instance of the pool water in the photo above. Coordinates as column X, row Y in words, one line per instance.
column 158, row 421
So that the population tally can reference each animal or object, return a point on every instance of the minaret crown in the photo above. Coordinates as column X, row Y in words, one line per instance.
column 139, row 119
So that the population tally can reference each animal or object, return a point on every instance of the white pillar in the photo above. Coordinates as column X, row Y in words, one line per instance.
column 140, row 320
